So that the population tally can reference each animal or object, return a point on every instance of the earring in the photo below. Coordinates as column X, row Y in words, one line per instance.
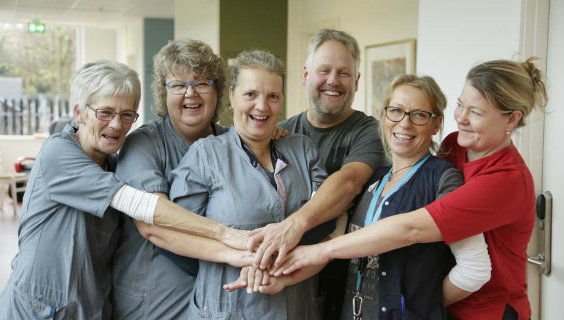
column 507, row 132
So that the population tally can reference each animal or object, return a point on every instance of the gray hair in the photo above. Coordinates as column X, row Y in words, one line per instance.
column 325, row 35
column 104, row 78
column 257, row 59
column 193, row 54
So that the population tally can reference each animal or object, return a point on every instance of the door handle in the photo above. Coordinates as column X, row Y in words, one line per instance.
column 543, row 223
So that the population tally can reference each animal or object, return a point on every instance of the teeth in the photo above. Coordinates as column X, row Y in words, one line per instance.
column 259, row 118
column 191, row 106
column 332, row 93
column 403, row 136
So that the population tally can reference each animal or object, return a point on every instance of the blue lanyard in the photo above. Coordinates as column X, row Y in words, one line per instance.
column 372, row 208
column 376, row 213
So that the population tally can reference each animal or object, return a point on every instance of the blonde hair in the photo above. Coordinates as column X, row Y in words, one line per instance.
column 431, row 90
column 257, row 59
column 510, row 86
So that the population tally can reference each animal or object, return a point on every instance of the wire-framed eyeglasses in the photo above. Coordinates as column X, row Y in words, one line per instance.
column 108, row 115
column 417, row 117
column 178, row 87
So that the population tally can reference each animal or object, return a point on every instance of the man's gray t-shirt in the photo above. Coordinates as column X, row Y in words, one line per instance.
column 356, row 139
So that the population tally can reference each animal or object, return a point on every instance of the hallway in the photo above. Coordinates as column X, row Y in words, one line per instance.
column 8, row 239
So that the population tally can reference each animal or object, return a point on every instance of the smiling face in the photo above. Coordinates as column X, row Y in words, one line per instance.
column 482, row 129
column 191, row 113
column 330, row 80
column 409, row 142
column 100, row 138
column 257, row 103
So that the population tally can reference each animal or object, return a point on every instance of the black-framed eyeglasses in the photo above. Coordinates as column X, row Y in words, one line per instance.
column 417, row 117
column 108, row 115
column 178, row 87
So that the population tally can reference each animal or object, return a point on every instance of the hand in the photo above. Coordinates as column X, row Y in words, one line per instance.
column 301, row 257
column 234, row 238
column 143, row 228
column 275, row 286
column 278, row 237
column 279, row 133
column 250, row 277
column 241, row 258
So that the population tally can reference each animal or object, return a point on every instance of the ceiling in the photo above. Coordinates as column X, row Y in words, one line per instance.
column 84, row 11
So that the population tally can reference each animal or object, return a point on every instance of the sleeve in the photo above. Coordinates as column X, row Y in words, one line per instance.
column 481, row 204
column 473, row 266
column 73, row 179
column 367, row 146
column 139, row 163
column 317, row 176
column 189, row 190
column 189, row 187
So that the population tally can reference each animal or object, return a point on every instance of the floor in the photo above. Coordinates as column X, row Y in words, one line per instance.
column 8, row 239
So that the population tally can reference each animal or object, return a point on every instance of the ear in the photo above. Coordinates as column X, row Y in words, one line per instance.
column 77, row 115
column 438, row 123
column 304, row 76
column 356, row 82
column 514, row 119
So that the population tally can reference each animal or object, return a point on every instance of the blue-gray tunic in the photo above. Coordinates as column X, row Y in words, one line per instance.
column 217, row 179
column 148, row 285
column 67, row 236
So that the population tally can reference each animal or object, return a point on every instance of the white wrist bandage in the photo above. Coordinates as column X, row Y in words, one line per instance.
column 473, row 265
column 135, row 203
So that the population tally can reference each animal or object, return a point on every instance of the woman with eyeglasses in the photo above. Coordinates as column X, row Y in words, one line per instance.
column 187, row 87
column 69, row 228
column 497, row 198
column 407, row 283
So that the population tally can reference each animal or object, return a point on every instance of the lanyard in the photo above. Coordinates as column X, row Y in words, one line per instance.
column 357, row 299
column 372, row 208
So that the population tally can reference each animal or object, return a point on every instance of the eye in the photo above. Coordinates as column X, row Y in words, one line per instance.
column 250, row 94
column 128, row 114
column 177, row 85
column 395, row 110
column 105, row 113
column 420, row 114
column 201, row 84
column 475, row 113
column 275, row 96
column 345, row 74
column 323, row 71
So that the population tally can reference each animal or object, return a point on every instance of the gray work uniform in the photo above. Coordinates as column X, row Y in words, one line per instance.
column 148, row 285
column 218, row 179
column 67, row 236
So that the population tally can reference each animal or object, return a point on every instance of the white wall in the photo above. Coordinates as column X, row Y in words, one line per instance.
column 99, row 43
column 553, row 176
column 455, row 35
column 197, row 19
column 369, row 21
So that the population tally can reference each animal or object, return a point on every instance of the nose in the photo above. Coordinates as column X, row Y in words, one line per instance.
column 333, row 78
column 261, row 103
column 460, row 115
column 190, row 91
column 405, row 122
column 116, row 123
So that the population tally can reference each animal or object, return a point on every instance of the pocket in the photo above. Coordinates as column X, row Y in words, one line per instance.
column 126, row 304
column 21, row 305
column 197, row 311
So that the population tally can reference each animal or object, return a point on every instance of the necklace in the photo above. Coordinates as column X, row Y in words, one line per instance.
column 398, row 170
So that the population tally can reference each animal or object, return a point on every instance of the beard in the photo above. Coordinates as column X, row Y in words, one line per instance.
column 323, row 110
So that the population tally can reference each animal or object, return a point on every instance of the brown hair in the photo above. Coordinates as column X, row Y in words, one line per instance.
column 510, row 86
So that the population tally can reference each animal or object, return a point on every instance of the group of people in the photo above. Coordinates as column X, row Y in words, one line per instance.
column 196, row 220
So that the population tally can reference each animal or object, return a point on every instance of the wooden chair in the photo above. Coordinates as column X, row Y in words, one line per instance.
column 11, row 179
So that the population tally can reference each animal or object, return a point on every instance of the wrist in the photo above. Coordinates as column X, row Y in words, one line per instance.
column 299, row 222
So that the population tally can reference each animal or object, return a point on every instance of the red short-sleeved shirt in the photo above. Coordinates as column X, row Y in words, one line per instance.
column 498, row 200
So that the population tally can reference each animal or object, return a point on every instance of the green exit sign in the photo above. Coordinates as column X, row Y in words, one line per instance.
column 36, row 27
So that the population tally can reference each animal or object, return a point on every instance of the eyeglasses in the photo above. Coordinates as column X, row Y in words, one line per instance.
column 417, row 117
column 177, row 87
column 127, row 117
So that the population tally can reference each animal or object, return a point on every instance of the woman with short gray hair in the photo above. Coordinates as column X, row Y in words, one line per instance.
column 69, row 228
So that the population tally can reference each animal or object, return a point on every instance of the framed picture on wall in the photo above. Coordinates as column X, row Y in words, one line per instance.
column 384, row 62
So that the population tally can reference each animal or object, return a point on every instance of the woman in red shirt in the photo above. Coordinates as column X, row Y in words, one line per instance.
column 497, row 198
